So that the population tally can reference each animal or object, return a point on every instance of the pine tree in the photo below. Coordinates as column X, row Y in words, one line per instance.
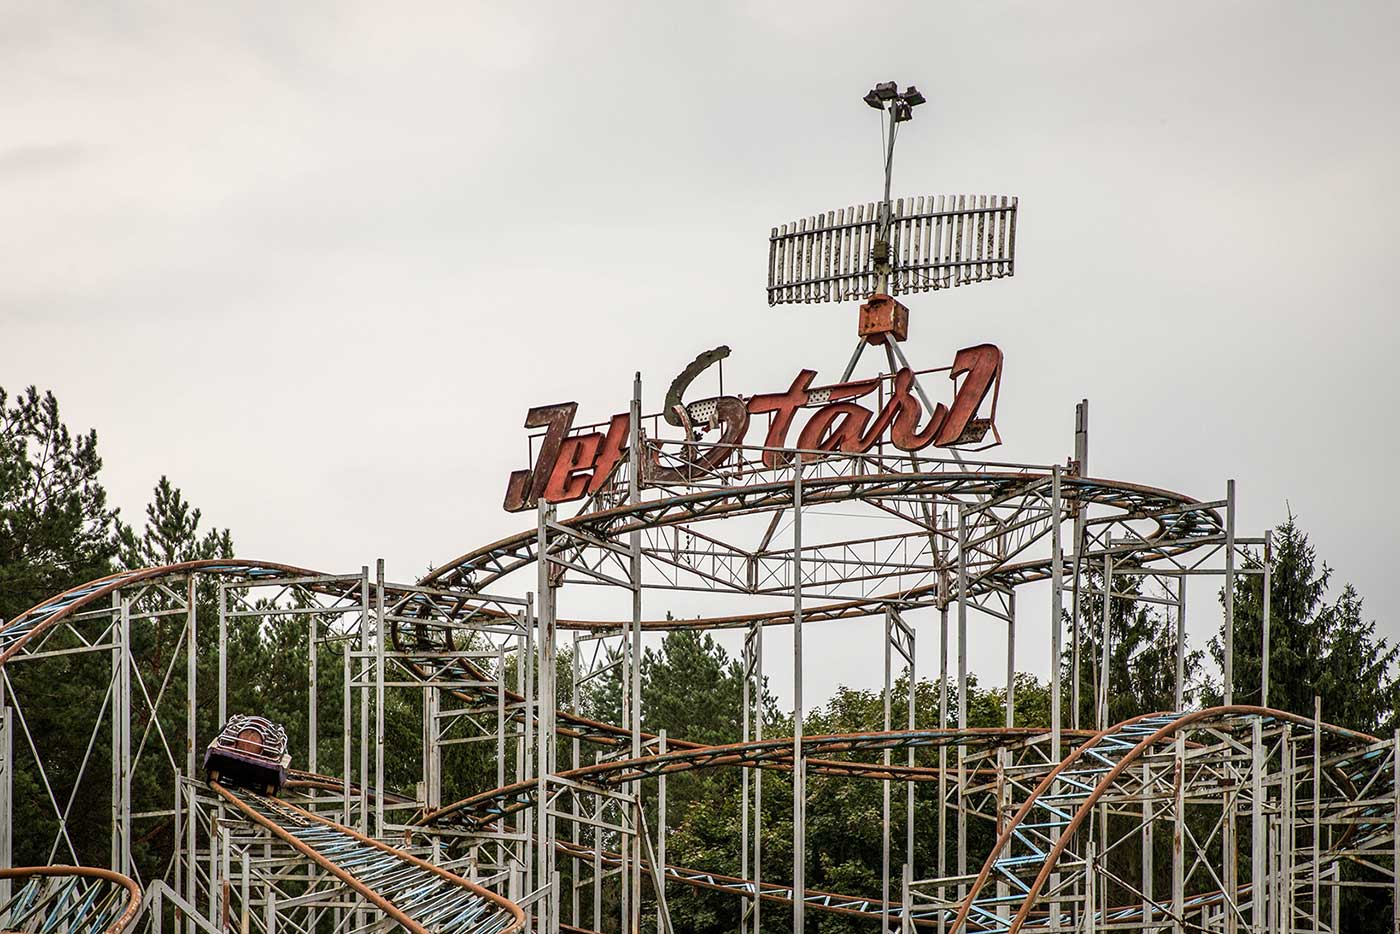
column 56, row 529
column 1316, row 647
column 1141, row 654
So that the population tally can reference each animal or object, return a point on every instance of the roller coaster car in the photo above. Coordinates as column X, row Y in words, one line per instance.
column 249, row 751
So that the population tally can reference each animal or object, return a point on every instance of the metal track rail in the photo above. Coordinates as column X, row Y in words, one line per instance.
column 72, row 899
column 423, row 898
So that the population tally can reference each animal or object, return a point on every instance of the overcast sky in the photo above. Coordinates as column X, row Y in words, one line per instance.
column 315, row 260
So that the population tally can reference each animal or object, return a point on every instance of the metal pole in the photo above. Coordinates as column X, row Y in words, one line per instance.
column 1081, row 456
column 1395, row 842
column 885, row 787
column 1180, row 693
column 1179, row 837
column 364, row 699
column 1257, row 826
column 574, row 762
column 1229, row 674
column 191, row 676
column 962, row 697
column 1011, row 658
column 634, row 494
column 1057, row 571
column 223, row 656
column 311, row 693
column 758, row 780
column 544, row 617
column 347, row 735
column 1147, row 846
column 379, row 676
column 7, row 791
column 747, row 661
column 909, row 758
column 1105, row 637
column 662, row 920
column 1228, row 838
column 884, row 266
column 1317, row 809
column 1056, row 611
column 942, row 708
column 799, row 766
column 1267, row 622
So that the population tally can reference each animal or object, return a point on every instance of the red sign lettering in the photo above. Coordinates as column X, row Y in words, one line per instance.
column 569, row 466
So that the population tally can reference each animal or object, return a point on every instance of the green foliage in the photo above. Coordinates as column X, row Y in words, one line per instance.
column 55, row 527
column 1316, row 646
column 171, row 535
column 1141, row 653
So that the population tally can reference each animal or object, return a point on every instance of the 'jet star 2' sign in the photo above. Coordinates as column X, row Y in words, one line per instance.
column 569, row 466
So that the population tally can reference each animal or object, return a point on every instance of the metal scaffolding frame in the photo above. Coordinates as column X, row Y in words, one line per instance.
column 1230, row 819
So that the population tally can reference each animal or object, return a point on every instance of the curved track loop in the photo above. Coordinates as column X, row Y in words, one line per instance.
column 74, row 899
column 33, row 622
column 423, row 898
column 490, row 806
column 1035, row 840
column 1181, row 526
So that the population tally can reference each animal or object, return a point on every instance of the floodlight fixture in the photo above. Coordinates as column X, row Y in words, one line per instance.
column 912, row 96
column 873, row 100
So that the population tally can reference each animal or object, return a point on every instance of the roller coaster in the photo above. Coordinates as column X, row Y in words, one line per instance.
column 561, row 843
column 450, row 774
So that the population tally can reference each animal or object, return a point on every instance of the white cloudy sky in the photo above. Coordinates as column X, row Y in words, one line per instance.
column 315, row 260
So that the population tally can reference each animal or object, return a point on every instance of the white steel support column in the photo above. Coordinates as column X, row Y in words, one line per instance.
column 943, row 597
column 885, row 784
column 379, row 676
column 1105, row 640
column 753, row 687
column 1229, row 838
column 1081, row 457
column 1180, row 690
column 1057, row 579
column 746, row 661
column 633, row 882
column 1395, row 843
column 962, row 698
column 121, row 736
column 7, row 791
column 898, row 636
column 1179, row 837
column 1258, row 827
column 191, row 676
column 313, row 647
column 1229, row 662
column 1148, row 816
column 544, row 617
column 1057, row 573
column 364, row 699
column 1011, row 658
column 432, row 748
column 1317, row 810
column 662, row 919
column 347, row 732
column 799, row 764
column 1267, row 622
column 223, row 657
column 575, row 750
